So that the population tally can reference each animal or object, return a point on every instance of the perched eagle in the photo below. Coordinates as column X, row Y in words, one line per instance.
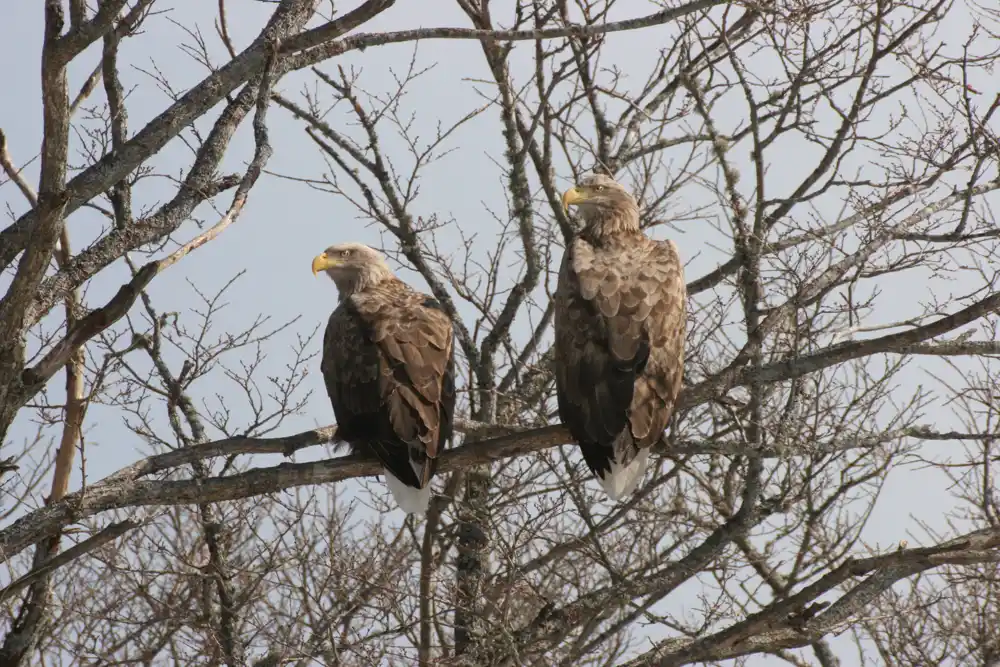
column 620, row 309
column 389, row 365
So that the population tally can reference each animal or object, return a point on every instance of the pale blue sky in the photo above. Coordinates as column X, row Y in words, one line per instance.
column 285, row 223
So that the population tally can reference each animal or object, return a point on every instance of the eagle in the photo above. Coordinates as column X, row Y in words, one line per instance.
column 389, row 368
column 620, row 311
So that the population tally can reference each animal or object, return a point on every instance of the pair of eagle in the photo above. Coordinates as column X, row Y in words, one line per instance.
column 389, row 365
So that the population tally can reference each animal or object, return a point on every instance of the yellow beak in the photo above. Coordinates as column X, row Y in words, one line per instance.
column 323, row 262
column 572, row 196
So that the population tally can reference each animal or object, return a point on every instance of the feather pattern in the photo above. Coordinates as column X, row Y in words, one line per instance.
column 388, row 364
column 619, row 341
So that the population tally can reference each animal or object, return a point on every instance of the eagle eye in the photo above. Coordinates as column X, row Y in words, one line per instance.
column 345, row 253
column 598, row 188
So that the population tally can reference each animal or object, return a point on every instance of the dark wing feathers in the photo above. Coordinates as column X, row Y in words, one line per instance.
column 619, row 324
column 388, row 364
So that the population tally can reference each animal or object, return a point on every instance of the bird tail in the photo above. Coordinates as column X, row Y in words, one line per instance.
column 409, row 498
column 410, row 488
column 623, row 479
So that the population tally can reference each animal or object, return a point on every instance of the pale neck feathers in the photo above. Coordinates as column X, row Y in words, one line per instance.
column 365, row 278
column 606, row 221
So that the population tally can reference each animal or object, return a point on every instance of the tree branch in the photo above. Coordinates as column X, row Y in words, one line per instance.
column 793, row 622
column 311, row 56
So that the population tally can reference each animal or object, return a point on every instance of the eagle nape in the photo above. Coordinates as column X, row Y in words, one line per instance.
column 620, row 311
column 388, row 365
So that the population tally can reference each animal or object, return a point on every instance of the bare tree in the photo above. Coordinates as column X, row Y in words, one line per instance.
column 829, row 171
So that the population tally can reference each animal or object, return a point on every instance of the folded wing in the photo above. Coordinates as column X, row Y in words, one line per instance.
column 388, row 363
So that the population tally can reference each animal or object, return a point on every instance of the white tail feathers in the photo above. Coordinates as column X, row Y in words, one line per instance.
column 409, row 499
column 623, row 480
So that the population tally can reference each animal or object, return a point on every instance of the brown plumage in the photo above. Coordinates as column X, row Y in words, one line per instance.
column 388, row 363
column 620, row 310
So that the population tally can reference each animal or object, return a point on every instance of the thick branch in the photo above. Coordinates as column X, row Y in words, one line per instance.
column 793, row 622
column 365, row 40
column 100, row 319
column 837, row 354
column 113, row 167
column 90, row 544
column 51, row 214
column 126, row 489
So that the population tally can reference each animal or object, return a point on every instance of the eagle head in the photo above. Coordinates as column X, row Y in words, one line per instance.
column 352, row 266
column 601, row 198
